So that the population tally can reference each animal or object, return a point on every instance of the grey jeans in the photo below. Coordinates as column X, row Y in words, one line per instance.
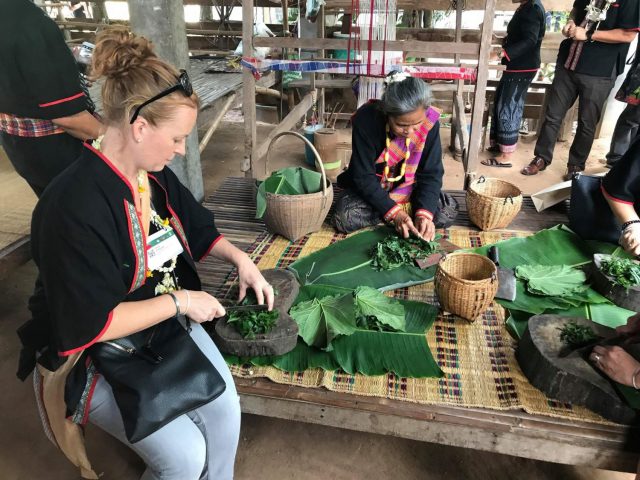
column 568, row 86
column 198, row 445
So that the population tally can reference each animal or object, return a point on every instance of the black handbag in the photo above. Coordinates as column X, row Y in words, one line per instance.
column 156, row 375
column 589, row 213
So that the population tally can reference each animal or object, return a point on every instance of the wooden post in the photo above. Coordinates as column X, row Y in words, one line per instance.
column 470, row 160
column 459, row 118
column 100, row 12
column 250, row 164
column 321, row 100
column 162, row 22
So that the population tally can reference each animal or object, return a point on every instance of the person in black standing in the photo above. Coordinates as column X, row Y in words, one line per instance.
column 521, row 55
column 44, row 116
column 589, row 61
column 626, row 131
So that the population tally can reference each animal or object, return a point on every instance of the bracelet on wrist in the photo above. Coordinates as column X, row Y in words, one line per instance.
column 627, row 224
column 633, row 378
column 176, row 301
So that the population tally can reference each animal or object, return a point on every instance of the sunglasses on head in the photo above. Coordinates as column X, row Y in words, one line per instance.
column 183, row 84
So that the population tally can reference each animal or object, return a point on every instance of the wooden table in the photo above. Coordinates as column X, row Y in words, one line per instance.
column 511, row 432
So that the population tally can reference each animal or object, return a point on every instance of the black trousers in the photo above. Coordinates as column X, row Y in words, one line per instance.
column 624, row 134
column 592, row 92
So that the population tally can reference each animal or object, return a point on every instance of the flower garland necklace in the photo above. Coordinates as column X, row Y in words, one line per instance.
column 169, row 282
column 407, row 154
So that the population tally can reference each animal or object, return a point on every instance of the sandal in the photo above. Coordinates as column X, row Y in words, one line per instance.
column 492, row 162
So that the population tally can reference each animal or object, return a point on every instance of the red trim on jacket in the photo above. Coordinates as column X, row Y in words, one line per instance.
column 112, row 167
column 88, row 344
column 62, row 100
column 135, row 249
column 617, row 200
column 506, row 55
column 391, row 213
column 213, row 244
column 423, row 212
column 522, row 71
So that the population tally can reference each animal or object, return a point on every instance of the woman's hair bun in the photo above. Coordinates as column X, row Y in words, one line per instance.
column 118, row 52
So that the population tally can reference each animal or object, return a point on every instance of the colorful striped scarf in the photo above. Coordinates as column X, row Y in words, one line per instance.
column 401, row 192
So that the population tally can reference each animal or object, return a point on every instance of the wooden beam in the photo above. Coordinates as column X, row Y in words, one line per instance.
column 472, row 158
column 248, row 91
column 216, row 121
column 259, row 167
column 502, row 5
column 376, row 45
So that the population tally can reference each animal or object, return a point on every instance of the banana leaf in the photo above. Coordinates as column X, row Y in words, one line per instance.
column 406, row 354
column 287, row 181
column 554, row 246
column 347, row 263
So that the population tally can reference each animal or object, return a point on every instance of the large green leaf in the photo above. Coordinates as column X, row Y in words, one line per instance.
column 406, row 354
column 320, row 320
column 554, row 246
column 388, row 311
column 551, row 280
column 347, row 263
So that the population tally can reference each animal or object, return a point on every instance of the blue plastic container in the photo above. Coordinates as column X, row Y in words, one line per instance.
column 308, row 132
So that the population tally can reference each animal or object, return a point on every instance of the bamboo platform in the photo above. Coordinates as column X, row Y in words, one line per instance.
column 510, row 432
column 234, row 206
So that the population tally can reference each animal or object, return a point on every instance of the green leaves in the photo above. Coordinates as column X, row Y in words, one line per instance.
column 393, row 251
column 321, row 320
column 369, row 302
column 624, row 272
column 406, row 354
column 251, row 323
column 551, row 280
column 575, row 335
column 348, row 263
column 287, row 181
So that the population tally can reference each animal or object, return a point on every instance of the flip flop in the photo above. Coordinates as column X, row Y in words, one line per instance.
column 492, row 162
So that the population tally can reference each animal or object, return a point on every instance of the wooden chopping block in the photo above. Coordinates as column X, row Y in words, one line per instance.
column 280, row 340
column 570, row 379
column 628, row 298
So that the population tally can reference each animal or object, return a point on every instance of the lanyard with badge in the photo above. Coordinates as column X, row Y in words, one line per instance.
column 163, row 247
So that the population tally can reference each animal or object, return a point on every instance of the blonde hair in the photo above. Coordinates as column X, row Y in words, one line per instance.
column 133, row 73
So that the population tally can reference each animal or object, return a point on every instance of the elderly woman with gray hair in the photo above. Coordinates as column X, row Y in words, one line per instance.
column 395, row 172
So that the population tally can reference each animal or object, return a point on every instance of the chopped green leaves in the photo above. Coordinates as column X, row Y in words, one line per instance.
column 251, row 323
column 394, row 252
column 552, row 280
column 624, row 272
column 378, row 311
column 576, row 335
column 321, row 320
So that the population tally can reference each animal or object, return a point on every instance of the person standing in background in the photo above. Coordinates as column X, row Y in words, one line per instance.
column 44, row 116
column 626, row 130
column 521, row 55
column 589, row 61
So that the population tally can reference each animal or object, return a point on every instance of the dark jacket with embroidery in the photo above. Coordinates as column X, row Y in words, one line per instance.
column 88, row 242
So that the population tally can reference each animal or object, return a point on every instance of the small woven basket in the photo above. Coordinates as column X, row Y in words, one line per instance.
column 294, row 216
column 466, row 284
column 493, row 203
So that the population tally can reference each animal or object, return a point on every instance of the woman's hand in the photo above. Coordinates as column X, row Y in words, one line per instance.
column 569, row 29
column 425, row 227
column 250, row 277
column 199, row 306
column 616, row 363
column 630, row 239
column 404, row 225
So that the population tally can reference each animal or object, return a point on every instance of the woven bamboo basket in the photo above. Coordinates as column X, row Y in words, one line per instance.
column 493, row 203
column 466, row 284
column 294, row 216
